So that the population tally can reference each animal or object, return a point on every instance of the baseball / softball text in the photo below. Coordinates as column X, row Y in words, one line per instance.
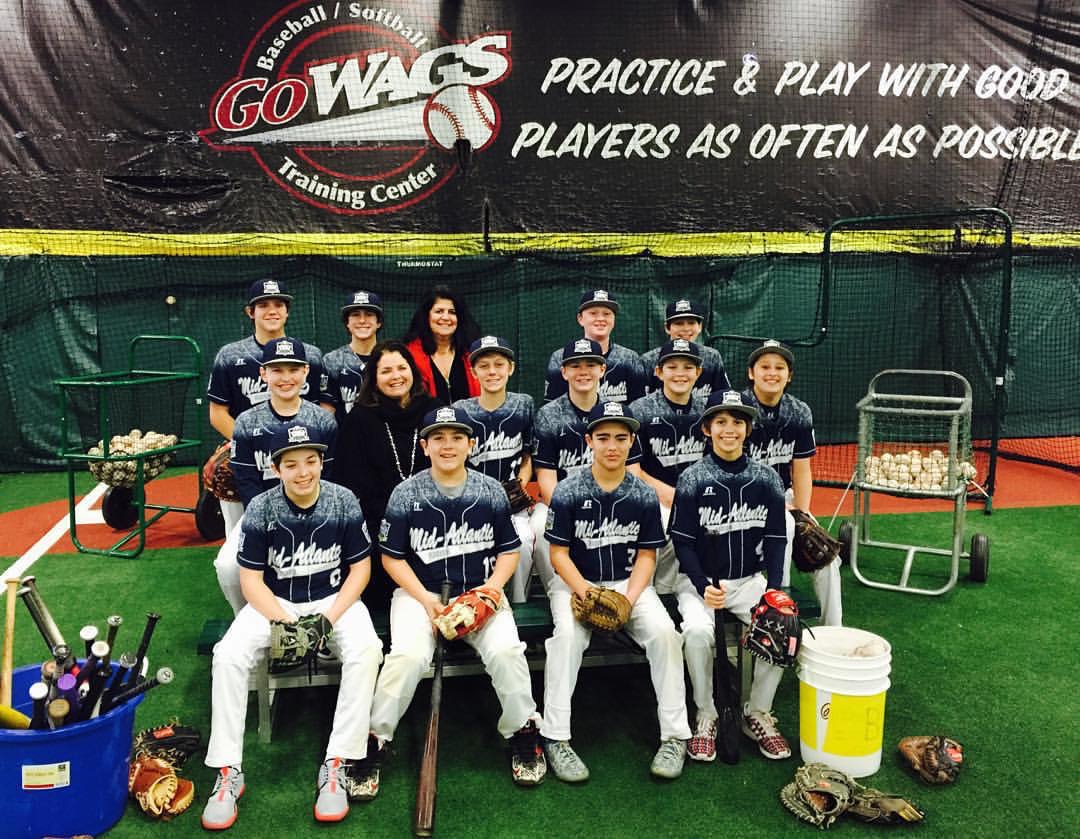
column 459, row 539
column 304, row 560
column 776, row 451
column 606, row 533
column 739, row 517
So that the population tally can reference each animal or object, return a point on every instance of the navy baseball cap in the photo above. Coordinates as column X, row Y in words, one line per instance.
column 362, row 300
column 679, row 309
column 610, row 412
column 293, row 436
column 598, row 297
column 267, row 290
column 680, row 348
column 489, row 344
column 771, row 346
column 284, row 351
column 447, row 417
column 729, row 400
column 583, row 348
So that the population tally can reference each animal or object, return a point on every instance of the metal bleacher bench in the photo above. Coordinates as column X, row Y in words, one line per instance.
column 534, row 625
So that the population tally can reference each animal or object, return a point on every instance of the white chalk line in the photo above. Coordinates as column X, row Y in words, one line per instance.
column 83, row 515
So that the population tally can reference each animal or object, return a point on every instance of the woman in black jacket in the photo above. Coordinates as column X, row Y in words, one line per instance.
column 379, row 447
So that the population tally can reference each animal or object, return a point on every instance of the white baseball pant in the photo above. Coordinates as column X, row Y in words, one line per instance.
column 353, row 641
column 649, row 625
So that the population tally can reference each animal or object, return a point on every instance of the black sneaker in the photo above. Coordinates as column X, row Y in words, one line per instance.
column 361, row 780
column 527, row 763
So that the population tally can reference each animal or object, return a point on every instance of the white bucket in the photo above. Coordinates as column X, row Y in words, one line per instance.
column 843, row 677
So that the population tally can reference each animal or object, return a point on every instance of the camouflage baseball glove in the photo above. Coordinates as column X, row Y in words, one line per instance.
column 218, row 475
column 172, row 741
column 937, row 759
column 601, row 608
column 519, row 498
column 468, row 612
column 812, row 548
column 293, row 644
column 819, row 795
column 774, row 634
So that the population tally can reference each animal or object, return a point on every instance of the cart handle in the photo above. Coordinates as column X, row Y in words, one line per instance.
column 192, row 345
column 873, row 391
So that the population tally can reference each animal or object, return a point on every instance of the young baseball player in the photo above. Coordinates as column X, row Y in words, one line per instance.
column 235, row 381
column 783, row 438
column 304, row 551
column 561, row 448
column 684, row 320
column 503, row 424
column 670, row 440
column 624, row 378
column 728, row 528
column 604, row 528
column 284, row 371
column 363, row 317
column 450, row 523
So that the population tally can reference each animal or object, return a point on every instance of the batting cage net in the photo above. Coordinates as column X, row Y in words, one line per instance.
column 877, row 294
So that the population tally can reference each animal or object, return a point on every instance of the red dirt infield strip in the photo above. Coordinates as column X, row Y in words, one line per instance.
column 1019, row 485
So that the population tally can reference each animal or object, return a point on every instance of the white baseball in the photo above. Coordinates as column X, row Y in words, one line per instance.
column 461, row 112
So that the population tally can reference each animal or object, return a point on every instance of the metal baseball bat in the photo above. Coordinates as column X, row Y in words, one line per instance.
column 10, row 718
column 151, row 620
column 8, row 665
column 39, row 696
column 88, row 634
column 725, row 696
column 99, row 652
column 120, row 675
column 64, row 659
column 49, row 676
column 67, row 689
column 58, row 712
column 162, row 677
column 428, row 784
column 113, row 622
column 40, row 613
column 91, row 702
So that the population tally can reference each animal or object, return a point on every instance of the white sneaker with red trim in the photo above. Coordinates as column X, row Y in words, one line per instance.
column 760, row 726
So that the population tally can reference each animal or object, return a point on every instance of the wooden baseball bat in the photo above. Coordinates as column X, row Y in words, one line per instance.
column 9, row 642
column 726, row 696
column 427, row 787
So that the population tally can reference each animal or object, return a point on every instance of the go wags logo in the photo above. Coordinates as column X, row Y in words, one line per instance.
column 357, row 109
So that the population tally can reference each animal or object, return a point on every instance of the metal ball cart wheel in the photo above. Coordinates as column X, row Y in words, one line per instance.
column 915, row 445
column 99, row 405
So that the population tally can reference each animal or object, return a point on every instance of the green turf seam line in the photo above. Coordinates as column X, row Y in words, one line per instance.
column 23, row 242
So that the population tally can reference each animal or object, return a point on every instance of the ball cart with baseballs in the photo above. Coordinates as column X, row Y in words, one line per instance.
column 126, row 426
column 915, row 442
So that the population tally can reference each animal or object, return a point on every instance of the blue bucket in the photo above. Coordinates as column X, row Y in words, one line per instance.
column 68, row 781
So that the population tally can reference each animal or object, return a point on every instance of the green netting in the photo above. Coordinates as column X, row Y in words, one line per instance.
column 63, row 316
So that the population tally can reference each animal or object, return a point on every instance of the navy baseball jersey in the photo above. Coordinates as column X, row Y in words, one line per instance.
column 251, row 463
column 604, row 530
column 781, row 434
column 235, row 380
column 503, row 436
column 344, row 373
column 442, row 538
column 713, row 375
column 670, row 438
column 728, row 521
column 624, row 379
column 304, row 554
column 560, row 438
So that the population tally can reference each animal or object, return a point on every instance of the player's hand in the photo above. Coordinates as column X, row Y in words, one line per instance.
column 433, row 605
column 715, row 597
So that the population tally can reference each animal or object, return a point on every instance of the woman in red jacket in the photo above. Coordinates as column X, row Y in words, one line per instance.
column 438, row 339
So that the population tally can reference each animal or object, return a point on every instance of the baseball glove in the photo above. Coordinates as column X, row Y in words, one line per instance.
column 468, row 612
column 812, row 548
column 601, row 608
column 937, row 759
column 876, row 807
column 819, row 795
column 218, row 475
column 152, row 782
column 519, row 498
column 172, row 741
column 293, row 644
column 774, row 634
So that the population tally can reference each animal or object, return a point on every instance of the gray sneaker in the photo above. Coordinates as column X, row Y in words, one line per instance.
column 332, row 805
column 220, row 811
column 669, row 759
column 565, row 762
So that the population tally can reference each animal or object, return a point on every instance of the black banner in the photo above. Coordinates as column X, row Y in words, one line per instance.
column 686, row 116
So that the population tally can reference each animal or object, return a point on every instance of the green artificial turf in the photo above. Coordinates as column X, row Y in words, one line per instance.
column 986, row 664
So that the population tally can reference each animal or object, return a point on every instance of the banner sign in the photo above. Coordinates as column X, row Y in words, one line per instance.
column 609, row 116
